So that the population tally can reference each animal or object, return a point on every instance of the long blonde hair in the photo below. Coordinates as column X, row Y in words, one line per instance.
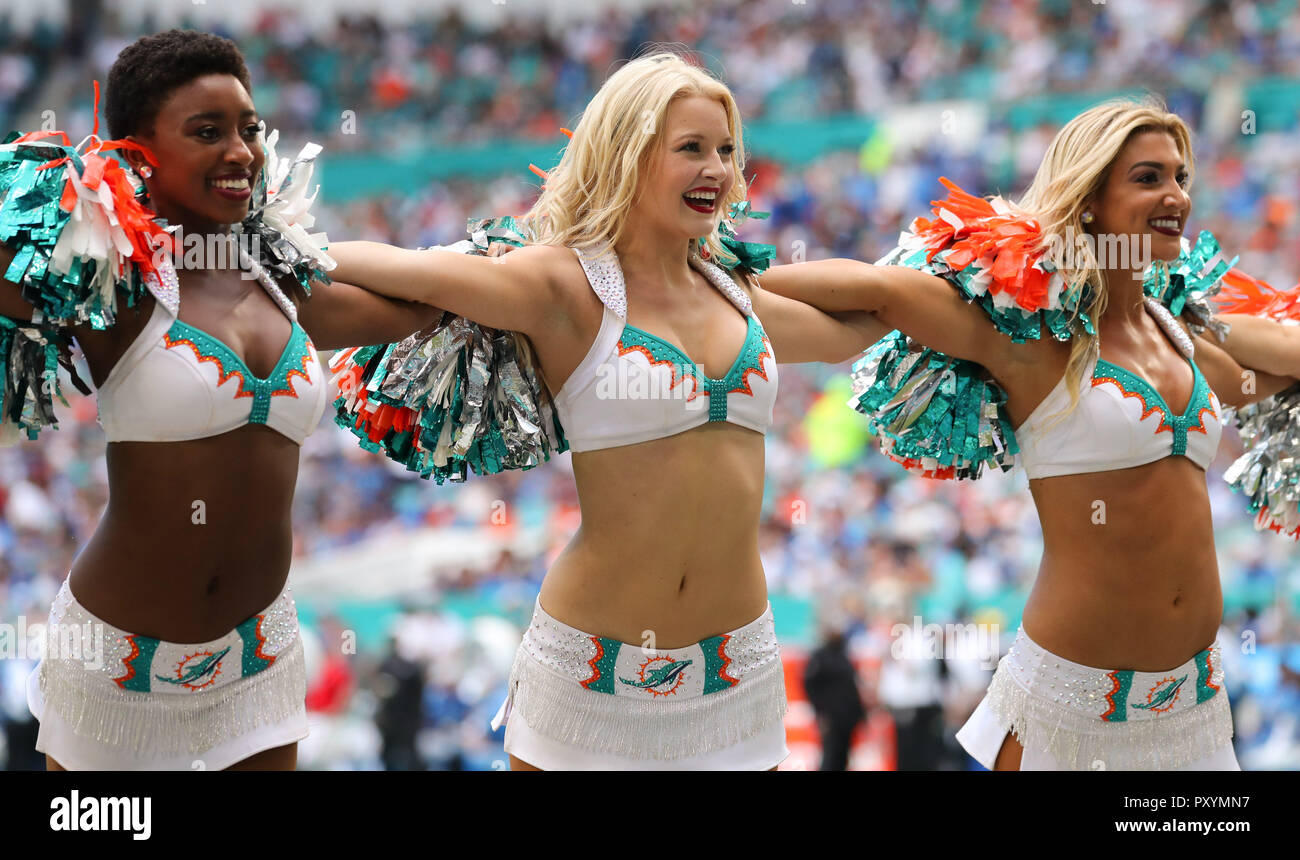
column 1076, row 165
column 588, row 195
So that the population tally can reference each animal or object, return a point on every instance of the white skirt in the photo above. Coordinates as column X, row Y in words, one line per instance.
column 111, row 700
column 1068, row 716
column 583, row 702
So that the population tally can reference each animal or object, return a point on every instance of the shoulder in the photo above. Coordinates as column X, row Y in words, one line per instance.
column 559, row 266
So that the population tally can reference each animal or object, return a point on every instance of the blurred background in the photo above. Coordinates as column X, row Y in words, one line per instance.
column 413, row 596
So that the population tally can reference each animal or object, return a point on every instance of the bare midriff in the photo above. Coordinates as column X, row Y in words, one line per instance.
column 1129, row 577
column 667, row 553
column 196, row 536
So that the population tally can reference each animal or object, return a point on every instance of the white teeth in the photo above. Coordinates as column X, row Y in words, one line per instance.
column 233, row 184
column 1171, row 223
column 707, row 198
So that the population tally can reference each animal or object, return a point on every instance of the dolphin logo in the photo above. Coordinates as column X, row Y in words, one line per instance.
column 1163, row 697
column 663, row 675
column 201, row 671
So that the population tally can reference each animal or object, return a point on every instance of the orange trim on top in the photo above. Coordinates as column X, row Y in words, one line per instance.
column 222, row 374
column 672, row 367
column 293, row 371
column 744, row 388
column 1147, row 410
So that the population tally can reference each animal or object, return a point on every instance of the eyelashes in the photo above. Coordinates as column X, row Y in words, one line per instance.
column 1147, row 178
column 694, row 146
column 211, row 133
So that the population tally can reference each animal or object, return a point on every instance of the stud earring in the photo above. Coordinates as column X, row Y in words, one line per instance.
column 1086, row 217
column 146, row 171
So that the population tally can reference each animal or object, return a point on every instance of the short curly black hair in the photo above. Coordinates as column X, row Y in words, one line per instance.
column 148, row 70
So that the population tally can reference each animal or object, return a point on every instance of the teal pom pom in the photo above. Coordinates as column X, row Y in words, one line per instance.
column 754, row 257
column 1188, row 285
column 454, row 397
column 938, row 416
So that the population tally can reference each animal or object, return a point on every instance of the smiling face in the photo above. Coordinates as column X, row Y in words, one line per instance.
column 691, row 171
column 1146, row 193
column 205, row 138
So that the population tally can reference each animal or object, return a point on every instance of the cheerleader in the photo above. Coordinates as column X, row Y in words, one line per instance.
column 188, row 654
column 1114, row 409
column 652, row 643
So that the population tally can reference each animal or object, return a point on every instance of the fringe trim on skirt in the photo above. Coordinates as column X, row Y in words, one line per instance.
column 560, row 708
column 171, row 724
column 1082, row 742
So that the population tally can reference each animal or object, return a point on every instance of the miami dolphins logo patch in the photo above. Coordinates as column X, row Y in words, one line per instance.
column 1162, row 696
column 662, row 679
column 199, row 670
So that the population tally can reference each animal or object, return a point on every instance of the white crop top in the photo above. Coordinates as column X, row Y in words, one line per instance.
column 1120, row 421
column 633, row 386
column 177, row 382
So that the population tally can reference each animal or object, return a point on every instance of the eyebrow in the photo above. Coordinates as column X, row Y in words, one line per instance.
column 216, row 114
column 1156, row 164
column 695, row 135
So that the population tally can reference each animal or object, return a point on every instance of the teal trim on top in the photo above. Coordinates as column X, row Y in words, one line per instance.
column 1179, row 424
column 278, row 380
column 748, row 359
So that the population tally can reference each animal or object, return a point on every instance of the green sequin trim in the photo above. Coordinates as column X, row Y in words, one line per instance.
column 603, row 682
column 749, row 360
column 141, row 663
column 250, row 662
column 1123, row 679
column 229, row 363
column 1204, row 691
column 714, row 664
column 1179, row 424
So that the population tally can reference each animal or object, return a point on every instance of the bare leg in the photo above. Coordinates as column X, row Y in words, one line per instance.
column 517, row 764
column 1009, row 756
column 51, row 764
column 278, row 758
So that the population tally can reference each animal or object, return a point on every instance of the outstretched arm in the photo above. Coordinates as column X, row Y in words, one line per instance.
column 517, row 291
column 1263, row 343
column 1235, row 384
column 339, row 315
column 800, row 332
column 924, row 307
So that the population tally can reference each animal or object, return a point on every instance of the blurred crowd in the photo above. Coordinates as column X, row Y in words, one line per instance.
column 843, row 530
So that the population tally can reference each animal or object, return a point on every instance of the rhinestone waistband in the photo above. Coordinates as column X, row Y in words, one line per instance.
column 79, row 641
column 1120, row 695
column 604, row 665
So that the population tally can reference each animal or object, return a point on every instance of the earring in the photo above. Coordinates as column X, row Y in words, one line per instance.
column 1086, row 217
column 146, row 171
